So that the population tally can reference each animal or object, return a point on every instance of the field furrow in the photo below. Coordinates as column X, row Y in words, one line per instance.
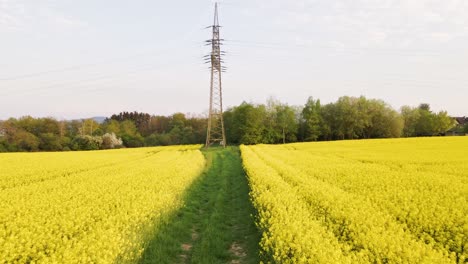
column 96, row 216
column 389, row 212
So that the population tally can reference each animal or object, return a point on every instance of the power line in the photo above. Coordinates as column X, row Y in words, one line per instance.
column 76, row 67
column 346, row 49
column 106, row 61
column 42, row 89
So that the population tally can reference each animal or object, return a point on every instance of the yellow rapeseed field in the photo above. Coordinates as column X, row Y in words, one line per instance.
column 366, row 201
column 89, row 207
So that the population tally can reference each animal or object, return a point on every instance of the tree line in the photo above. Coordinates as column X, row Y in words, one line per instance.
column 271, row 123
column 347, row 118
column 126, row 129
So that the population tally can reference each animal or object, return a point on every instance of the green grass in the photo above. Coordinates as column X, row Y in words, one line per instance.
column 216, row 225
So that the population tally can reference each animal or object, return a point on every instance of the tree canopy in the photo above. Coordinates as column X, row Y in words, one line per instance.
column 271, row 123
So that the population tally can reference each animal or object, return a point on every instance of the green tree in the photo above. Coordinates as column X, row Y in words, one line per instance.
column 330, row 124
column 47, row 125
column 128, row 128
column 231, row 136
column 177, row 120
column 4, row 146
column 25, row 141
column 350, row 119
column 197, row 125
column 141, row 120
column 359, row 117
column 111, row 126
column 442, row 122
column 28, row 124
column 130, row 136
column 286, row 122
column 410, row 119
column 425, row 126
column 160, row 124
column 382, row 121
column 89, row 127
column 74, row 128
column 421, row 121
column 50, row 142
column 312, row 121
column 86, row 142
column 247, row 124
column 272, row 132
column 159, row 140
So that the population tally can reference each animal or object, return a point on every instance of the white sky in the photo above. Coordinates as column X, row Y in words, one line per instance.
column 74, row 59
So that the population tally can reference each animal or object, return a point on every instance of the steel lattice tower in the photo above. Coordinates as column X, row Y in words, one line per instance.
column 215, row 132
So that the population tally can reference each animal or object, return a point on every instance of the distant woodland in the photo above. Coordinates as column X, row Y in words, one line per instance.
column 273, row 122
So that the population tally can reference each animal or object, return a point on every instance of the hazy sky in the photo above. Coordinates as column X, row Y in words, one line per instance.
column 82, row 58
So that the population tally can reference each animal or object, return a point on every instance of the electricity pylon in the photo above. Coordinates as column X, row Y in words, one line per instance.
column 215, row 132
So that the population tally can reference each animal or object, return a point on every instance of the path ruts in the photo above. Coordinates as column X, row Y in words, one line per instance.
column 216, row 224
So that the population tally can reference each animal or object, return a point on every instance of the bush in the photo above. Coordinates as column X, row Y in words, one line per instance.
column 110, row 141
column 158, row 140
column 3, row 146
column 49, row 142
column 86, row 143
column 66, row 149
column 133, row 141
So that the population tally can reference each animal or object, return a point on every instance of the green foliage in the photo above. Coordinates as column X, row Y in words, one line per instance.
column 359, row 117
column 49, row 142
column 3, row 145
column 421, row 121
column 410, row 117
column 443, row 122
column 312, row 120
column 86, row 142
column 247, row 123
column 351, row 123
column 25, row 141
column 140, row 120
column 112, row 126
column 178, row 120
column 286, row 123
column 157, row 140
column 133, row 141
column 128, row 128
column 74, row 128
column 280, row 122
column 381, row 121
column 89, row 127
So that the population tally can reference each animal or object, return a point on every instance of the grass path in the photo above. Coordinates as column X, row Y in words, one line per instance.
column 216, row 224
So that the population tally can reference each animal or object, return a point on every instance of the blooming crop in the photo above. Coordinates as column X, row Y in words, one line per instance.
column 89, row 207
column 368, row 201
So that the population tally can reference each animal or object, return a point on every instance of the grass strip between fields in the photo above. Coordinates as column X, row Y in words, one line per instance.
column 216, row 225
